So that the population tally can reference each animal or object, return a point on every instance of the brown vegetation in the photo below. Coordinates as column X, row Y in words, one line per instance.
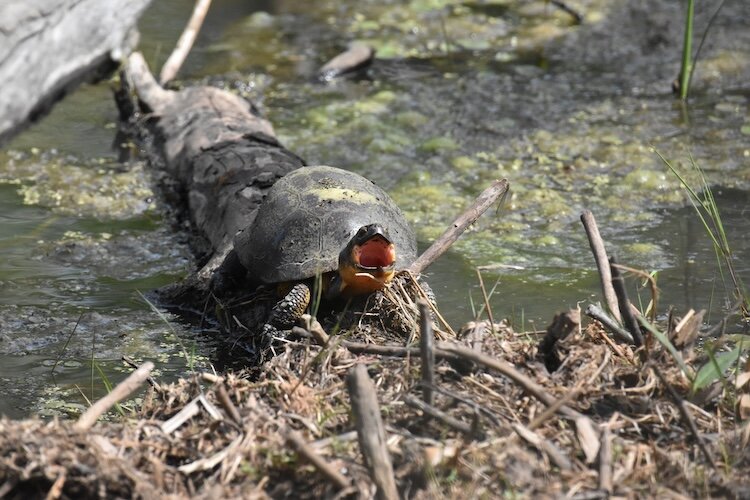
column 605, row 422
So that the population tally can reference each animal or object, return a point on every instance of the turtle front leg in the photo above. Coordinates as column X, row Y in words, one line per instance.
column 288, row 310
column 229, row 276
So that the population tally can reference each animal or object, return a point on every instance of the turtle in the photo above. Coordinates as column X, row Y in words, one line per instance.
column 327, row 222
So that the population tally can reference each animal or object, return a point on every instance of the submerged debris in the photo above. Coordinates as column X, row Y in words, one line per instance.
column 357, row 57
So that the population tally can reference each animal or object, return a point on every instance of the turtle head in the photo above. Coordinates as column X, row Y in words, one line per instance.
column 367, row 262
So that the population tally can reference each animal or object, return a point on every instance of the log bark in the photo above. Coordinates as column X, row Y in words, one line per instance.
column 48, row 47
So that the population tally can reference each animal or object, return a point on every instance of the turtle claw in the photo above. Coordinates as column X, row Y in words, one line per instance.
column 287, row 311
column 270, row 333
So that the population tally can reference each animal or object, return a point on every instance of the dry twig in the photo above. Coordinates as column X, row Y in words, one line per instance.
column 392, row 350
column 305, row 450
column 185, row 43
column 356, row 57
column 128, row 361
column 553, row 452
column 509, row 371
column 577, row 16
column 432, row 306
column 470, row 215
column 602, row 263
column 602, row 317
column 226, row 403
column 486, row 299
column 569, row 396
column 686, row 417
column 652, row 287
column 369, row 423
column 430, row 410
column 122, row 391
column 605, row 461
column 427, row 351
column 189, row 411
column 628, row 318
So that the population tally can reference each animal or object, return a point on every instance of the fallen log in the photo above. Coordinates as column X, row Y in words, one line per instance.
column 224, row 156
column 49, row 47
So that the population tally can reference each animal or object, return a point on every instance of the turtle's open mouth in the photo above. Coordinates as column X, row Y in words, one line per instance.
column 368, row 261
column 377, row 253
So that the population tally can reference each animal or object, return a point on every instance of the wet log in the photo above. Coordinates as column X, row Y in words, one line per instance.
column 222, row 153
column 48, row 47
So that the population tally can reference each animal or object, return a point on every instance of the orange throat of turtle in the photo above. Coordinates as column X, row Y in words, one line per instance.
column 371, row 267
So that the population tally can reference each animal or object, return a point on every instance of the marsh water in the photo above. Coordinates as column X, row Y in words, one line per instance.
column 461, row 93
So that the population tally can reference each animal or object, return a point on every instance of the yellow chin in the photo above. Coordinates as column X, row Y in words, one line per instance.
column 358, row 282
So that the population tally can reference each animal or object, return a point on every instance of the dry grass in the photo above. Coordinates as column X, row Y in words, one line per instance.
column 515, row 444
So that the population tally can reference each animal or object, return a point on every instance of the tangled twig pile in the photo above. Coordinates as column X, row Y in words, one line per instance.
column 495, row 420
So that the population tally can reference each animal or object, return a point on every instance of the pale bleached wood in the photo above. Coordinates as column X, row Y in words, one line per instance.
column 49, row 47
column 185, row 43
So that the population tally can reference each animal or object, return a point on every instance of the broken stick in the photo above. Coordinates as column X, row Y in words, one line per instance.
column 439, row 246
column 601, row 316
column 226, row 402
column 628, row 319
column 605, row 462
column 128, row 361
column 438, row 414
column 427, row 348
column 602, row 262
column 372, row 439
column 305, row 450
column 356, row 57
column 123, row 390
column 505, row 368
column 185, row 43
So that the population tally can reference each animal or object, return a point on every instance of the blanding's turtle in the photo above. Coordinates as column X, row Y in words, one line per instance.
column 327, row 222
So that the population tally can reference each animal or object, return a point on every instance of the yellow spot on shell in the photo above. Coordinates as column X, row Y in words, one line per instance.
column 337, row 194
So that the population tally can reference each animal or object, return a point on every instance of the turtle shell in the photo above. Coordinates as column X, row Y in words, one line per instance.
column 309, row 216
